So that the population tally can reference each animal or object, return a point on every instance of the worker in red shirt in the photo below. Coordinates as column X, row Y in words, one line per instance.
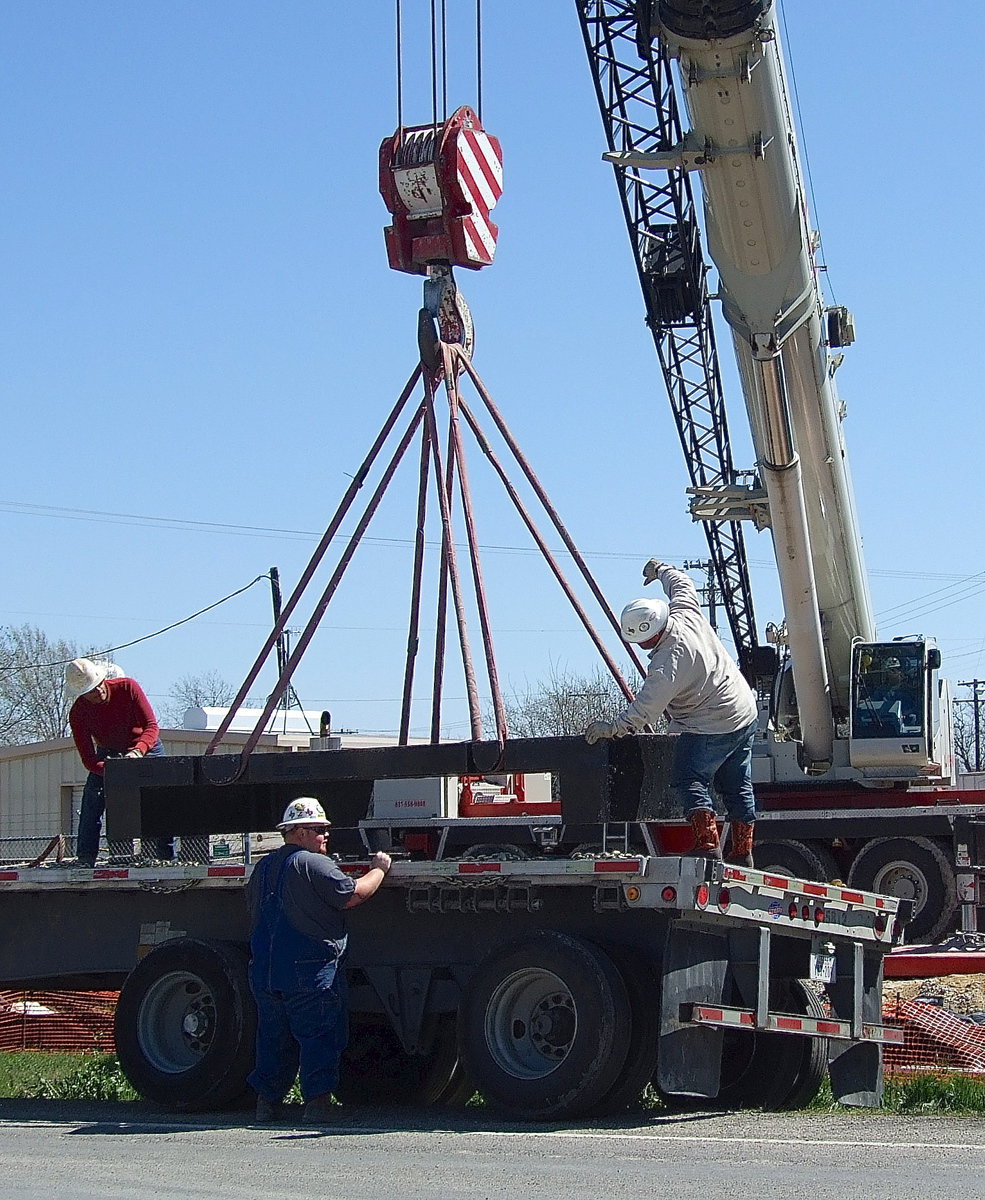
column 110, row 718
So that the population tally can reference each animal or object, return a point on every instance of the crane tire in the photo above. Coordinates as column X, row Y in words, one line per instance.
column 798, row 860
column 545, row 1027
column 917, row 868
column 376, row 1069
column 185, row 1025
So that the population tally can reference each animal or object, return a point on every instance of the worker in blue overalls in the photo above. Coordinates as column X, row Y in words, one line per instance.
column 297, row 898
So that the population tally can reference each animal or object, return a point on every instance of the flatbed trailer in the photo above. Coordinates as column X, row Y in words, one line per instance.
column 556, row 963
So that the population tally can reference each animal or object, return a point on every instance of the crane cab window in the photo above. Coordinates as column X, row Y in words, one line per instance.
column 888, row 690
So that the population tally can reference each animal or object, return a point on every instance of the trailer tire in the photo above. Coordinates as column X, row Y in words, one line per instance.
column 545, row 1027
column 918, row 869
column 771, row 1071
column 185, row 1025
column 799, row 860
column 376, row 1069
column 643, row 989
column 814, row 1061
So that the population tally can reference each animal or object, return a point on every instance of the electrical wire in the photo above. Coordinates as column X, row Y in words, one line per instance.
column 147, row 637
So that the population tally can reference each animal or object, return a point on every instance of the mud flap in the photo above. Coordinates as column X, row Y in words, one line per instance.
column 855, row 1068
column 689, row 1058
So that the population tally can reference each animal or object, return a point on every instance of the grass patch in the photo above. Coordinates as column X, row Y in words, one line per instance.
column 914, row 1095
column 935, row 1094
column 48, row 1075
column 20, row 1069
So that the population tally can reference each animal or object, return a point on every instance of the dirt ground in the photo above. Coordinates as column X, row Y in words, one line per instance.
column 957, row 993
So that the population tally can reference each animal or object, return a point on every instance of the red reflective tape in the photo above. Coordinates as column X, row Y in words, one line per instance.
column 829, row 1027
column 353, row 868
column 733, row 874
column 777, row 881
column 853, row 897
column 106, row 873
column 9, row 876
column 622, row 865
column 709, row 1014
column 789, row 1023
column 479, row 868
column 880, row 902
column 226, row 872
column 815, row 889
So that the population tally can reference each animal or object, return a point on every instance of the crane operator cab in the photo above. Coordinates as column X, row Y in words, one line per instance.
column 900, row 717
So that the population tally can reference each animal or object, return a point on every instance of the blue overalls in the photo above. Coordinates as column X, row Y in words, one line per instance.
column 299, row 988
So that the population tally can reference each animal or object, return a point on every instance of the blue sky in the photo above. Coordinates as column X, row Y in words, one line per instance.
column 200, row 335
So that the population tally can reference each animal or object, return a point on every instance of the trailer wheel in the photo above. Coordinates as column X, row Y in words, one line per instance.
column 546, row 1026
column 772, row 1071
column 376, row 1069
column 814, row 1060
column 643, row 990
column 799, row 860
column 918, row 870
column 185, row 1025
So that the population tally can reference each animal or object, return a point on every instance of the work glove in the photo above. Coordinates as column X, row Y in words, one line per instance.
column 650, row 570
column 599, row 730
column 133, row 754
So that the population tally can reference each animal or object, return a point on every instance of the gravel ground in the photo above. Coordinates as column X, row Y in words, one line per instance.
column 957, row 993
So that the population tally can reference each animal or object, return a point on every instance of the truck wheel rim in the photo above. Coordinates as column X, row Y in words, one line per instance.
column 902, row 879
column 177, row 1022
column 531, row 1023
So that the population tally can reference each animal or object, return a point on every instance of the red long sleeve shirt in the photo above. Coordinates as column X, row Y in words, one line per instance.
column 124, row 722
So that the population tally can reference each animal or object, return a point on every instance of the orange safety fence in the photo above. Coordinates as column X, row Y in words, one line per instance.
column 935, row 1040
column 57, row 1020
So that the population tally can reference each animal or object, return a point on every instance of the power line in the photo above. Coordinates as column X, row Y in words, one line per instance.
column 147, row 637
column 190, row 525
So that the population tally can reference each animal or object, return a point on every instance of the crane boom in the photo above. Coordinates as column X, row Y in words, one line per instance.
column 834, row 702
column 760, row 240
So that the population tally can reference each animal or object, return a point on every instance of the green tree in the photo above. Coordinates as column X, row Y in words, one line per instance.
column 33, row 704
column 564, row 704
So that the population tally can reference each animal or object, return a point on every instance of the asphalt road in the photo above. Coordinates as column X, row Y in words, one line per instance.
column 53, row 1150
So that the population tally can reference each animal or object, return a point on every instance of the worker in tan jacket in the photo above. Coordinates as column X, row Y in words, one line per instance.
column 712, row 709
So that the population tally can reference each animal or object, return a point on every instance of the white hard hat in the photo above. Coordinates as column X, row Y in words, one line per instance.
column 643, row 619
column 306, row 810
column 82, row 675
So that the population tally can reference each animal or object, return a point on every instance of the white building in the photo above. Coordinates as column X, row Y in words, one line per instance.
column 41, row 783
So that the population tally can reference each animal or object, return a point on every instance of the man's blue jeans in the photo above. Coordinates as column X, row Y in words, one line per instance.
column 94, row 805
column 719, row 760
column 309, row 1028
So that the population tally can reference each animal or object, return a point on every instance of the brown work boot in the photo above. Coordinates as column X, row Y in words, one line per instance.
column 320, row 1110
column 706, row 843
column 268, row 1111
column 740, row 844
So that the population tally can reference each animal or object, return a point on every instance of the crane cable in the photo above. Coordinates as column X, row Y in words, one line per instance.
column 439, row 60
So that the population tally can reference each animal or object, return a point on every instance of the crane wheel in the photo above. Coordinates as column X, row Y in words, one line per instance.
column 916, row 869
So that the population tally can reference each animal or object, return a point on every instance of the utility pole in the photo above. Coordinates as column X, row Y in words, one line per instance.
column 709, row 593
column 290, row 698
column 977, row 701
